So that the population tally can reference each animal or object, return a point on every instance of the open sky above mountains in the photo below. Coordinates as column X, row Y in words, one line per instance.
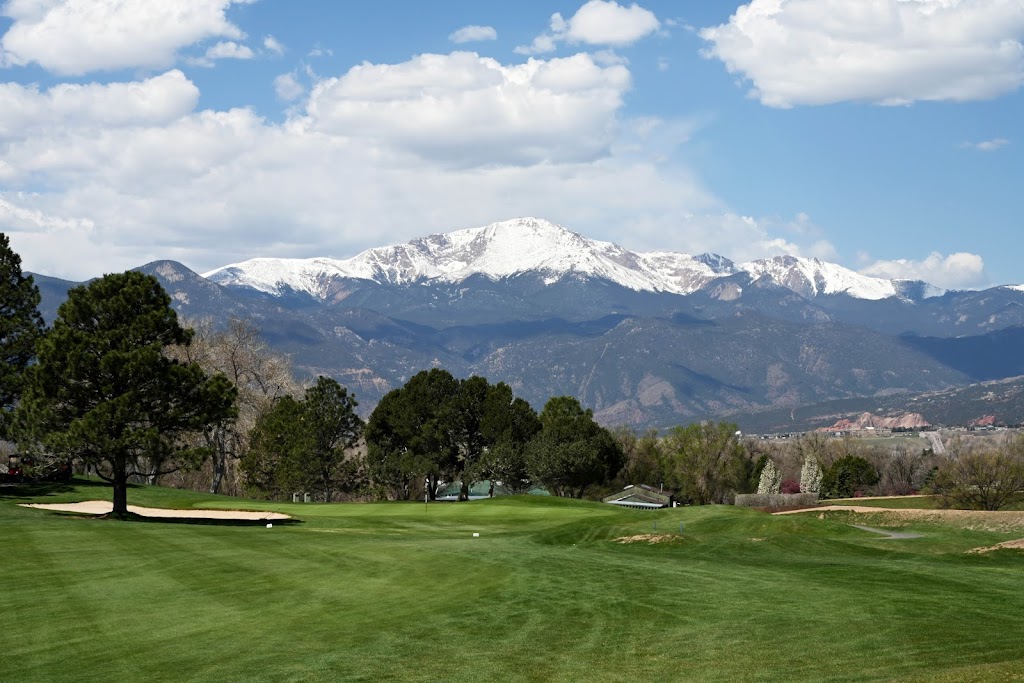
column 881, row 135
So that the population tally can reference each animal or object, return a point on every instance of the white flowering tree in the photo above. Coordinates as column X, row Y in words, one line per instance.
column 771, row 479
column 810, row 476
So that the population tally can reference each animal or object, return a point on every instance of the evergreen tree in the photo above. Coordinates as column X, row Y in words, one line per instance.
column 413, row 433
column 21, row 326
column 847, row 476
column 306, row 445
column 105, row 391
column 572, row 452
column 439, row 427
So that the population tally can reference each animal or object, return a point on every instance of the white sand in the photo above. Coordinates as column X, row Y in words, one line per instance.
column 101, row 507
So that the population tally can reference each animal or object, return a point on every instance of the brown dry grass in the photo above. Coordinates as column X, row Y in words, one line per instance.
column 974, row 520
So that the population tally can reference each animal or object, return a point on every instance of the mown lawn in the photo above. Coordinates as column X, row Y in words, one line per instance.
column 401, row 592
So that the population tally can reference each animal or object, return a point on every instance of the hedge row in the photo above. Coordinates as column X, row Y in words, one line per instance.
column 776, row 500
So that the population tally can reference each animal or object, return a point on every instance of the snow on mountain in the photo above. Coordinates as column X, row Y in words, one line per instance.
column 811, row 277
column 499, row 250
column 531, row 245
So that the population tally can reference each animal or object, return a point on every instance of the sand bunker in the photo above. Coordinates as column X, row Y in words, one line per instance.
column 101, row 507
column 646, row 538
column 1011, row 545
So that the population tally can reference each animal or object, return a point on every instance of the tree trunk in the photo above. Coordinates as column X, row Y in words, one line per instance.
column 120, row 492
column 432, row 485
column 490, row 491
column 219, row 462
column 464, row 491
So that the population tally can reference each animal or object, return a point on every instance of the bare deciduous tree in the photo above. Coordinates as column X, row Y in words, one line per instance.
column 982, row 476
column 260, row 373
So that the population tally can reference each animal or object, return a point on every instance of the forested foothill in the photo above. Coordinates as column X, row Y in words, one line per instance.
column 122, row 389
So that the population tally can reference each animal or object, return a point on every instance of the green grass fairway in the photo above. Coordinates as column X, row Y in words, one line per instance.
column 397, row 592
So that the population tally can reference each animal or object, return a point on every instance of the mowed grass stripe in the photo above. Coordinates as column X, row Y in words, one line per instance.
column 395, row 592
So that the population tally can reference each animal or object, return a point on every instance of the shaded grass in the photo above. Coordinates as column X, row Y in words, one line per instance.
column 397, row 592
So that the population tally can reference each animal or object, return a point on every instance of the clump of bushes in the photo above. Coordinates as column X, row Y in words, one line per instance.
column 791, row 486
column 847, row 477
column 775, row 501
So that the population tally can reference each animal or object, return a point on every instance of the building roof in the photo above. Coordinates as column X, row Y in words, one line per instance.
column 639, row 496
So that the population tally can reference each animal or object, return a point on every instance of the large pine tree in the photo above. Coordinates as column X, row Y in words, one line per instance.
column 104, row 390
column 20, row 327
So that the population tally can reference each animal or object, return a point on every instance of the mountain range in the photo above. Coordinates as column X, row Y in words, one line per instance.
column 533, row 246
column 649, row 339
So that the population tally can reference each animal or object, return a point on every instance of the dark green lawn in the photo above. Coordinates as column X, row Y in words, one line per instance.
column 398, row 592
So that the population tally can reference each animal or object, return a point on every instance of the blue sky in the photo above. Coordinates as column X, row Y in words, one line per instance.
column 879, row 134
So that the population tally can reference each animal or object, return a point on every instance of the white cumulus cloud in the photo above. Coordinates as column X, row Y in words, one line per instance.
column 598, row 22
column 956, row 271
column 100, row 178
column 75, row 37
column 154, row 101
column 812, row 52
column 470, row 110
column 472, row 34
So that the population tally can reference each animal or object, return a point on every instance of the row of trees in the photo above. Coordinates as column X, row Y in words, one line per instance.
column 119, row 384
column 438, row 428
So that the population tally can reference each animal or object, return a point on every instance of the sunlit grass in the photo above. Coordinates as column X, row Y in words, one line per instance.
column 404, row 592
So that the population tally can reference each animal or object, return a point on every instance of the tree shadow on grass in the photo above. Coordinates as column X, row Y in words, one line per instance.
column 39, row 489
column 202, row 521
column 190, row 521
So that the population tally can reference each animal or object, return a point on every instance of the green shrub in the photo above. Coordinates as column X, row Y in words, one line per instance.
column 848, row 476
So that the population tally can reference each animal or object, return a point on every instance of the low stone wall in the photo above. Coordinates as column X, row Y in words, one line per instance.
column 776, row 500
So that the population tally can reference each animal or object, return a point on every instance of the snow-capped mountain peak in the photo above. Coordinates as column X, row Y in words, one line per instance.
column 533, row 245
column 498, row 250
column 811, row 277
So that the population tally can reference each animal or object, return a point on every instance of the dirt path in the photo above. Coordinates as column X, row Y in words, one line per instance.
column 913, row 495
column 847, row 508
column 101, row 507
